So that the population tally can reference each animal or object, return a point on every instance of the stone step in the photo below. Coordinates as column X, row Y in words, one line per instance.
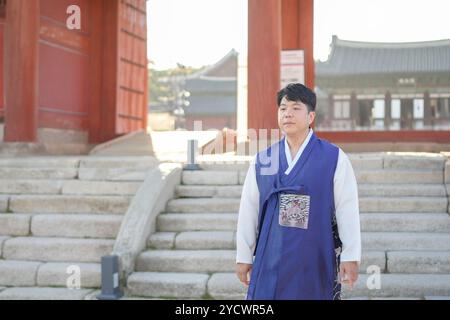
column 2, row 240
column 40, row 162
column 162, row 240
column 102, row 188
column 370, row 222
column 113, row 174
column 205, row 191
column 114, row 162
column 58, row 274
column 359, row 161
column 205, row 261
column 209, row 261
column 31, row 186
column 400, row 285
column 384, row 176
column 401, row 190
column 75, row 187
column 227, row 286
column 400, row 176
column 209, row 177
column 3, row 203
column 366, row 204
column 56, row 249
column 418, row 262
column 239, row 165
column 412, row 222
column 431, row 161
column 16, row 273
column 38, row 173
column 69, row 204
column 370, row 240
column 203, row 204
column 403, row 204
column 14, row 224
column 205, row 240
column 165, row 284
column 415, row 241
column 76, row 225
column 176, row 222
column 364, row 190
column 36, row 293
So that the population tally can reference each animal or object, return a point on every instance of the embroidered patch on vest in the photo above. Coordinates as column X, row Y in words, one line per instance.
column 294, row 210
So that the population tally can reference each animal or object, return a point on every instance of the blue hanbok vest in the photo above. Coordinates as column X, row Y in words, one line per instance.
column 298, row 246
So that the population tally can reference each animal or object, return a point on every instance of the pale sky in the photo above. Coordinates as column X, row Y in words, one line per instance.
column 200, row 32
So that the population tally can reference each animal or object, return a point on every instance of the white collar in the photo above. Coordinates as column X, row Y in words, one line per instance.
column 291, row 163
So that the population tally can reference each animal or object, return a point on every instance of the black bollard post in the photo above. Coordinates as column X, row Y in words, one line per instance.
column 192, row 156
column 110, row 279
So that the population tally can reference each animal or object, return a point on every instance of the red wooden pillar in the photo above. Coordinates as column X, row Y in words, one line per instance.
column 110, row 71
column 119, row 69
column 21, row 70
column 2, row 28
column 298, row 32
column 264, row 47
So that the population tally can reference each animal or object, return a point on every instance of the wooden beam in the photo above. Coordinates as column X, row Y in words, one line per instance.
column 21, row 55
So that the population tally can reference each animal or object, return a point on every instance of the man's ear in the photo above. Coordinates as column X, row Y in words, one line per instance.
column 312, row 116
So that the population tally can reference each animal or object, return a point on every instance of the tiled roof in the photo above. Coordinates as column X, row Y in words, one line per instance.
column 357, row 58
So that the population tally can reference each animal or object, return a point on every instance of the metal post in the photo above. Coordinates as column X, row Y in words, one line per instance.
column 110, row 279
column 192, row 156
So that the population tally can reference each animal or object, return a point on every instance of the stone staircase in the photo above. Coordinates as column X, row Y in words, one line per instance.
column 404, row 219
column 58, row 212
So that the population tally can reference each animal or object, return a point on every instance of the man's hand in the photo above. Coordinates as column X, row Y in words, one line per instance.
column 243, row 272
column 348, row 272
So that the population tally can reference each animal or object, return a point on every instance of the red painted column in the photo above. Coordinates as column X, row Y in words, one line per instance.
column 306, row 38
column 95, row 100
column 264, row 47
column 298, row 32
column 21, row 70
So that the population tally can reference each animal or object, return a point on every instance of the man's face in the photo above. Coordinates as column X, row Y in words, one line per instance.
column 293, row 117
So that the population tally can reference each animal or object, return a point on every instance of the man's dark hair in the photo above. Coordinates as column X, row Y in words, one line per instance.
column 298, row 92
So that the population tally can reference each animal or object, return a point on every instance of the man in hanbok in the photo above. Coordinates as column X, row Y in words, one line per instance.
column 298, row 233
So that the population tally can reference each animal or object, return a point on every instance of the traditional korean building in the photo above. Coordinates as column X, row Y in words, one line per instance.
column 213, row 95
column 385, row 86
column 90, row 82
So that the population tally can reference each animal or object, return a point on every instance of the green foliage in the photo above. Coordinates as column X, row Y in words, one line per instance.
column 162, row 84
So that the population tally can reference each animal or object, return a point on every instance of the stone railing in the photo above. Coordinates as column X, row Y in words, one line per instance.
column 139, row 221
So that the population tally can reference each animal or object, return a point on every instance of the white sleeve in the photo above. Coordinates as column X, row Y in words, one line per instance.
column 248, row 218
column 347, row 209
